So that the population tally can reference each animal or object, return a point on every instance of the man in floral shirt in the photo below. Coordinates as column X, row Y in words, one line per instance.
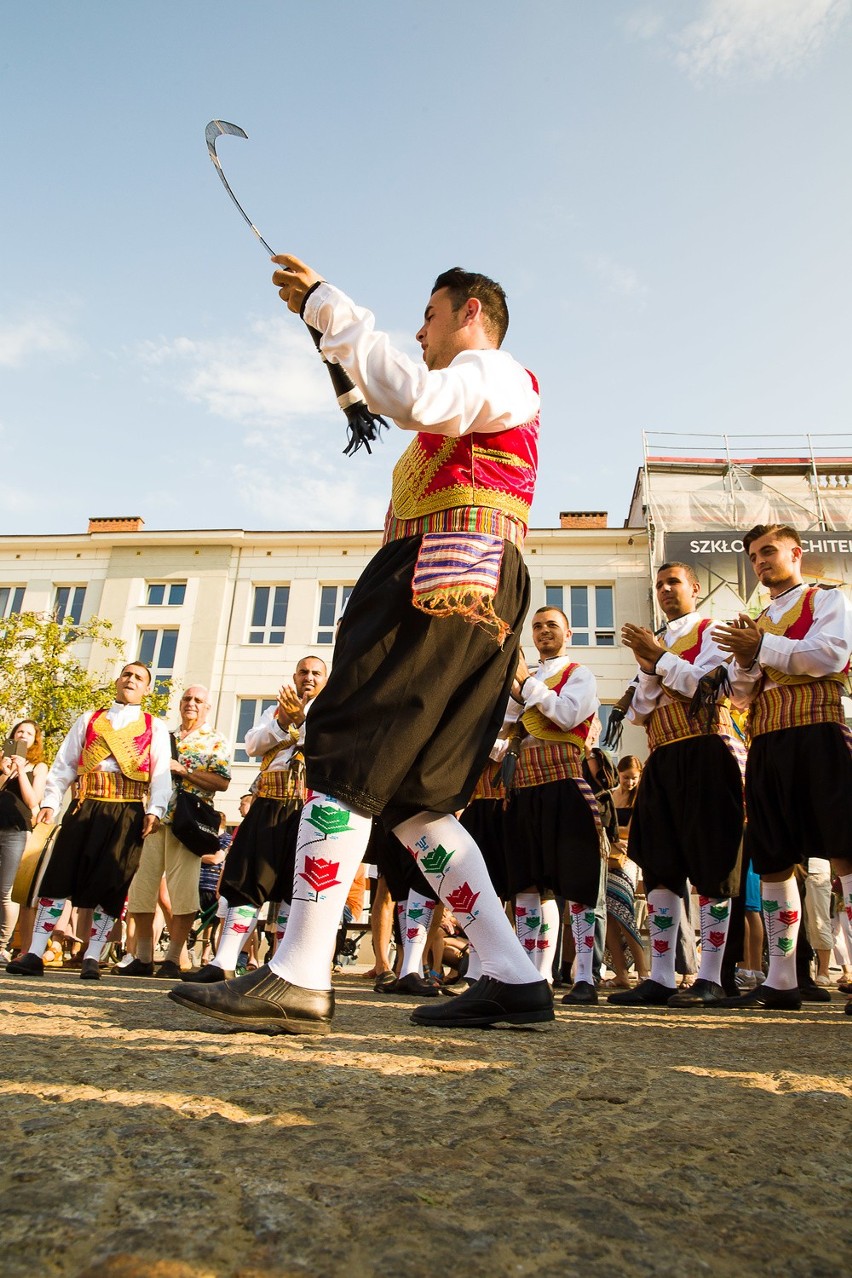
column 203, row 766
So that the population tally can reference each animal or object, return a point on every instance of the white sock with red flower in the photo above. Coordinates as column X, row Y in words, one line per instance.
column 49, row 912
column 414, row 925
column 239, row 923
column 782, row 912
column 715, row 921
column 583, row 932
column 663, row 922
column 102, row 925
column 281, row 921
column 453, row 865
column 333, row 838
column 528, row 921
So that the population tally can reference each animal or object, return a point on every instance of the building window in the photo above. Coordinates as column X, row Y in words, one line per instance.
column 269, row 614
column 333, row 600
column 69, row 603
column 157, row 651
column 249, row 710
column 590, row 612
column 166, row 594
column 11, row 599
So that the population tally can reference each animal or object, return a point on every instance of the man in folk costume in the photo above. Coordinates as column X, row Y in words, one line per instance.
column 688, row 815
column 258, row 867
column 425, row 655
column 552, row 838
column 795, row 661
column 120, row 760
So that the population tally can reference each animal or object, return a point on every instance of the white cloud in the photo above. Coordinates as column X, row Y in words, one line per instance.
column 266, row 378
column 754, row 39
column 313, row 493
column 34, row 335
column 616, row 278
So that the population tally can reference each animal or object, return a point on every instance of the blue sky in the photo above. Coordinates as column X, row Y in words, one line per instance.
column 663, row 188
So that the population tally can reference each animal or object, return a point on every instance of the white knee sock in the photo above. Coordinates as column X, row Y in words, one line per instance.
column 474, row 964
column 102, row 925
column 528, row 920
column 715, row 921
column 547, row 937
column 414, row 926
column 333, row 838
column 239, row 923
column 49, row 911
column 583, row 931
column 663, row 922
column 782, row 912
column 281, row 921
column 453, row 865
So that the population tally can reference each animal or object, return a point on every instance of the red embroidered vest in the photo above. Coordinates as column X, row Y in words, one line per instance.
column 477, row 482
column 130, row 747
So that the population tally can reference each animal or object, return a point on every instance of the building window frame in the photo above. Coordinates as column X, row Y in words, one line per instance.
column 590, row 609
column 157, row 649
column 11, row 600
column 68, row 603
column 249, row 711
column 173, row 594
column 332, row 602
column 269, row 608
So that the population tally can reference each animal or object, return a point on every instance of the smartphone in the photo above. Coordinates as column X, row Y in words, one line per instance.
column 11, row 748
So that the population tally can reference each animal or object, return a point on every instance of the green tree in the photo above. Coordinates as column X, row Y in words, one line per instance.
column 43, row 678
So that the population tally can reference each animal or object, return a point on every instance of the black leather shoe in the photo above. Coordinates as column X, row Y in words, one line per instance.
column 26, row 965
column 699, row 994
column 765, row 996
column 136, row 968
column 169, row 971
column 210, row 974
column 848, row 1008
column 812, row 993
column 582, row 994
column 262, row 1002
column 646, row 994
column 490, row 1002
column 413, row 985
column 90, row 970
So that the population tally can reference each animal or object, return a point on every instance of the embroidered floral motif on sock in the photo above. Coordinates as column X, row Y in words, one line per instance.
column 320, row 874
column 329, row 819
column 463, row 899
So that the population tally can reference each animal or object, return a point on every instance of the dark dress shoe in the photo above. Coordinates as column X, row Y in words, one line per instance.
column 582, row 994
column 26, row 965
column 169, row 971
column 699, row 994
column 136, row 968
column 90, row 970
column 490, row 1002
column 385, row 983
column 261, row 1002
column 765, row 996
column 209, row 974
column 848, row 1008
column 646, row 994
column 415, row 986
column 812, row 993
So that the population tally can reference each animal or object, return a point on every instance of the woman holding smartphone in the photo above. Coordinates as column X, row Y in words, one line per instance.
column 23, row 773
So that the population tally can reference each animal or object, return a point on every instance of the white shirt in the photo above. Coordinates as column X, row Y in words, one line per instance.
column 67, row 761
column 677, row 673
column 484, row 390
column 575, row 702
column 824, row 650
column 268, row 733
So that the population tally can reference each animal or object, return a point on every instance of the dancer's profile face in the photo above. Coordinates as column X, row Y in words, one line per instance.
column 676, row 592
column 439, row 335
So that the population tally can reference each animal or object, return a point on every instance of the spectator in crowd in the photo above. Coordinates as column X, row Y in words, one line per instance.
column 23, row 773
column 120, row 760
column 201, row 766
column 621, row 927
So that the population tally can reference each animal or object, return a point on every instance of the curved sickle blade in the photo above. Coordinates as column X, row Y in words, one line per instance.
column 215, row 129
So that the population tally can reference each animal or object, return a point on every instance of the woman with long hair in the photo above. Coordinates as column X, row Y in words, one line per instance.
column 621, row 928
column 23, row 773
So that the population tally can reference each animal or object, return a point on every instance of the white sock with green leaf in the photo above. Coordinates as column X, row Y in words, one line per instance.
column 49, row 912
column 333, row 838
column 239, row 923
column 453, row 865
column 102, row 925
column 663, row 922
column 715, row 921
column 782, row 913
column 414, row 926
